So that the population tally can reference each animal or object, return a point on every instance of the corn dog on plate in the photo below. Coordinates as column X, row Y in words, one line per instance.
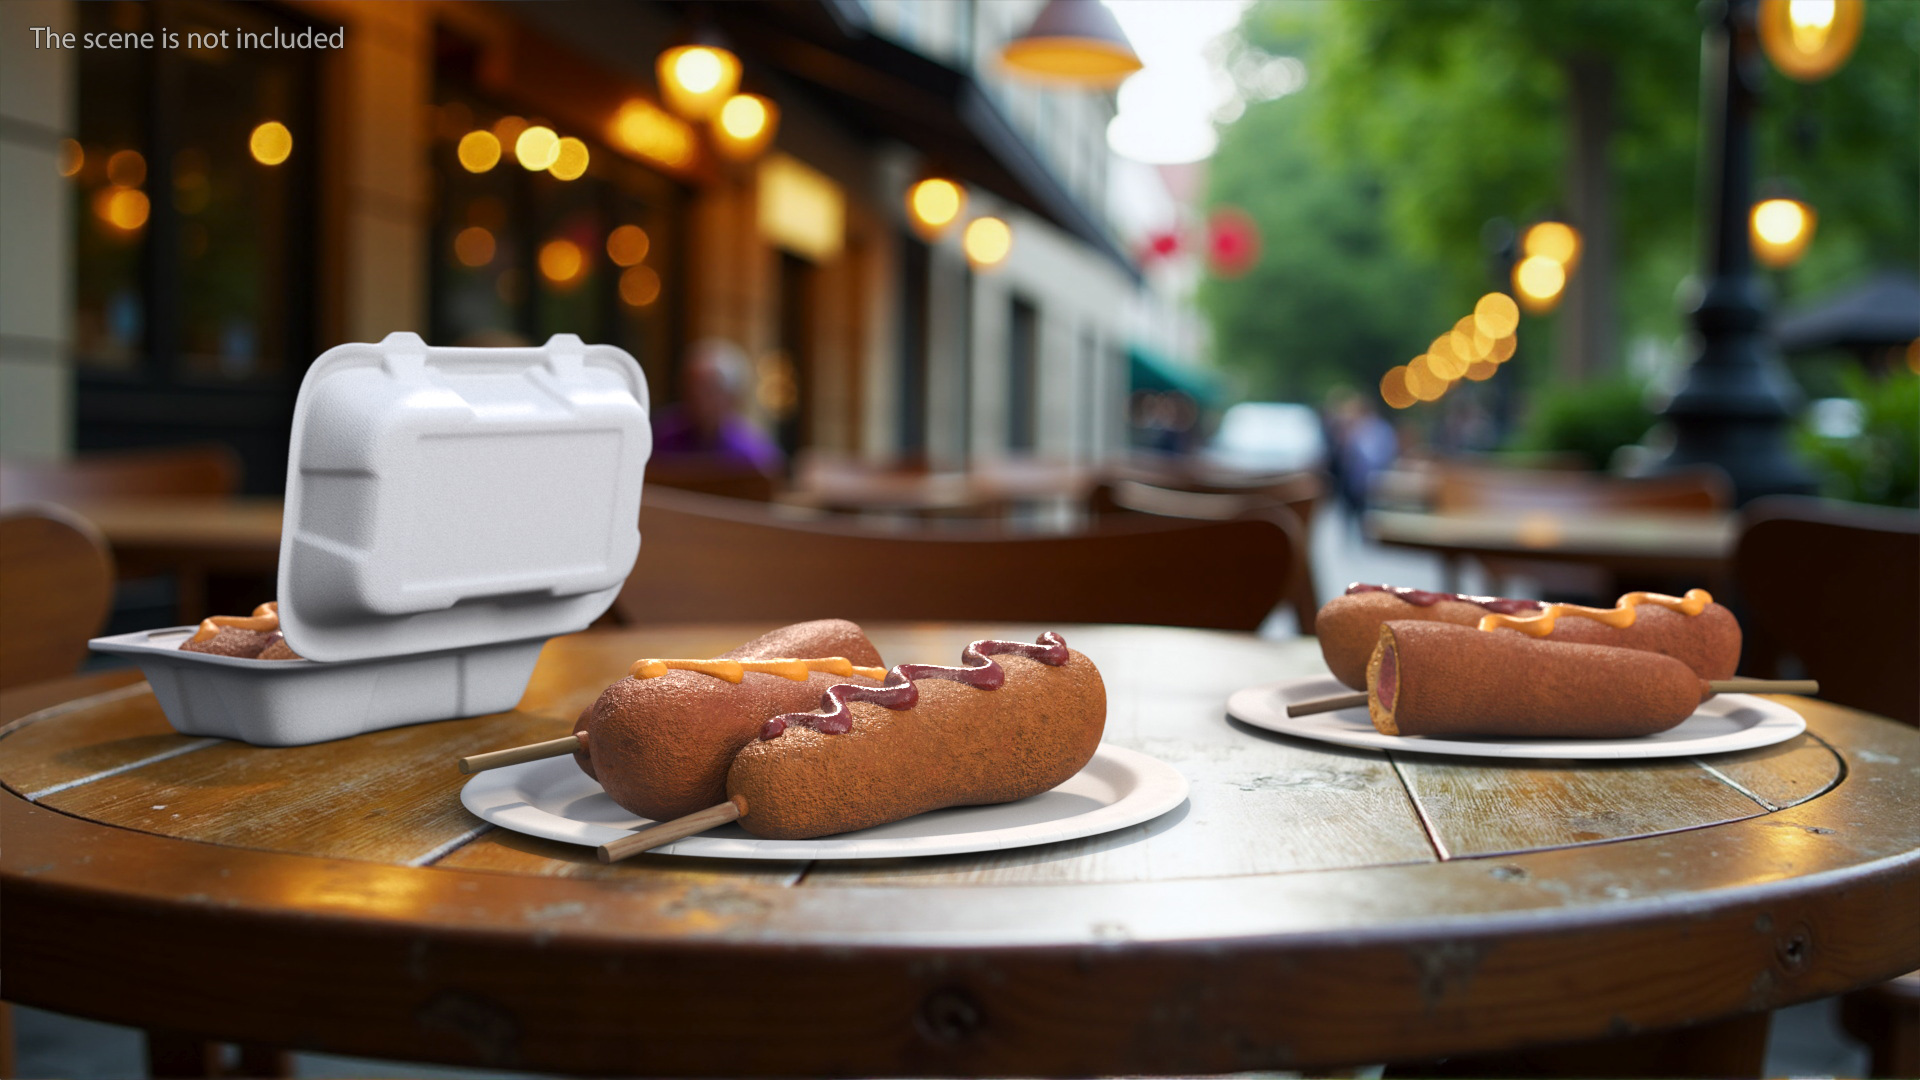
column 1724, row 723
column 1119, row 788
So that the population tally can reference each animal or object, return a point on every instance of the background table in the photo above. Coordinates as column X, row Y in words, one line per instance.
column 192, row 538
column 1625, row 544
column 1310, row 906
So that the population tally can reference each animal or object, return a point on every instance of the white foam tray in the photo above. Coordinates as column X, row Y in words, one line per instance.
column 448, row 511
column 295, row 702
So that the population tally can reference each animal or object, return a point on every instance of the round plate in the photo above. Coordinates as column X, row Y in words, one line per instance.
column 1725, row 722
column 552, row 798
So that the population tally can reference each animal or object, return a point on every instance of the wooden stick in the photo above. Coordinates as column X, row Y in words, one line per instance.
column 1327, row 704
column 500, row 759
column 666, row 832
column 1764, row 686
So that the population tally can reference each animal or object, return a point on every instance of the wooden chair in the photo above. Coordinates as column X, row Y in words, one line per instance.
column 703, row 558
column 1837, row 585
column 693, row 474
column 1466, row 488
column 1295, row 493
column 211, row 470
column 56, row 585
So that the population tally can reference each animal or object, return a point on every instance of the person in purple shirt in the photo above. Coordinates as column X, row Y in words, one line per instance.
column 706, row 426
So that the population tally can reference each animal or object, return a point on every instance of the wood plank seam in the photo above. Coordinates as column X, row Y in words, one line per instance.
column 129, row 766
column 1770, row 806
column 76, row 705
column 434, row 855
column 1433, row 834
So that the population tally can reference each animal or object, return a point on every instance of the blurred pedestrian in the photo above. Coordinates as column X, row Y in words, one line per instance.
column 1368, row 445
column 707, row 426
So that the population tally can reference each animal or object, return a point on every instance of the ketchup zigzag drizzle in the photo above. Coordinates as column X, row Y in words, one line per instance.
column 898, row 692
column 1423, row 598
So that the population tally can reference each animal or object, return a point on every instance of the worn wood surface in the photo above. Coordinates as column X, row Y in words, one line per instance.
column 1296, row 916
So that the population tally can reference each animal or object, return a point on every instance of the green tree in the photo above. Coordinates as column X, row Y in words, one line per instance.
column 1334, row 300
column 1453, row 112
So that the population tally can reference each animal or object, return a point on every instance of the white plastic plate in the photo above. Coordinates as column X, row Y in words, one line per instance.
column 1724, row 723
column 1119, row 788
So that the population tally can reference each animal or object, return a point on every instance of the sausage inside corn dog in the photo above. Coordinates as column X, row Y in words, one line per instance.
column 660, row 741
column 1692, row 629
column 1015, row 721
column 1434, row 678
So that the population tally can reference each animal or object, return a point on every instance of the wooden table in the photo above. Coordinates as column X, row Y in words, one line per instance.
column 1695, row 546
column 1309, row 906
column 190, row 537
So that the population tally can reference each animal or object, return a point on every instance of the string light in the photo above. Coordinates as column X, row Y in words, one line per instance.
column 478, row 151
column 987, row 242
column 537, row 148
column 933, row 205
column 271, row 143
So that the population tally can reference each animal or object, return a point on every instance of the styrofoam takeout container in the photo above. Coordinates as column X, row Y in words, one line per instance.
column 448, row 511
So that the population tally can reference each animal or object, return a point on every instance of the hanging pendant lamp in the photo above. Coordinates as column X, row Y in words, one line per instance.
column 1072, row 41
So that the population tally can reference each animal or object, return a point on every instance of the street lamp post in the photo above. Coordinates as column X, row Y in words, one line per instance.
column 1734, row 404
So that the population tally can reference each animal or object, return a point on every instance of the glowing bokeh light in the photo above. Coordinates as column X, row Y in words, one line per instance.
column 1393, row 388
column 271, row 143
column 639, row 286
column 1443, row 361
column 987, row 242
column 569, row 160
column 507, row 129
column 473, row 246
column 1481, row 370
column 127, row 168
column 627, row 245
column 537, row 148
column 73, row 157
column 478, row 151
column 1555, row 240
column 651, row 132
column 1422, row 383
column 696, row 80
column 1539, row 280
column 561, row 261
column 934, row 204
column 1782, row 229
column 745, row 126
column 1503, row 349
column 1496, row 315
column 124, row 208
column 1809, row 40
column 743, row 116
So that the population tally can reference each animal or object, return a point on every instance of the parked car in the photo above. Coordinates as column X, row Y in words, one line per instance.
column 1268, row 436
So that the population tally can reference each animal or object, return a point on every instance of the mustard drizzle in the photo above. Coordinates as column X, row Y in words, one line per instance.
column 734, row 671
column 266, row 617
column 1620, row 616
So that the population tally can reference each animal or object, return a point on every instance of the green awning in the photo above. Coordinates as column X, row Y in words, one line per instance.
column 1154, row 373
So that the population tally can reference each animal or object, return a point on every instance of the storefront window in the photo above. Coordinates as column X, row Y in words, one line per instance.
column 520, row 254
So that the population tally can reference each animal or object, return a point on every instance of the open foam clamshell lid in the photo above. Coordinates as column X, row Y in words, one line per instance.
column 440, row 498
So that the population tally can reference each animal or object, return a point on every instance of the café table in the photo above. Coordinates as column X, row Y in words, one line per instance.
column 1671, row 545
column 1308, row 907
column 189, row 537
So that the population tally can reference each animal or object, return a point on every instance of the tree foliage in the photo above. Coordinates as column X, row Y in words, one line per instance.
column 1423, row 119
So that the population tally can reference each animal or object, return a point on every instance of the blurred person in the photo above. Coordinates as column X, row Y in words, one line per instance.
column 707, row 425
column 1368, row 445
column 1336, row 415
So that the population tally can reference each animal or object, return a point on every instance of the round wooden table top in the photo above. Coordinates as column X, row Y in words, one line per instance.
column 1308, row 906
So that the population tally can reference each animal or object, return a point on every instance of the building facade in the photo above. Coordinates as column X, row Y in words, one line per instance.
column 187, row 225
